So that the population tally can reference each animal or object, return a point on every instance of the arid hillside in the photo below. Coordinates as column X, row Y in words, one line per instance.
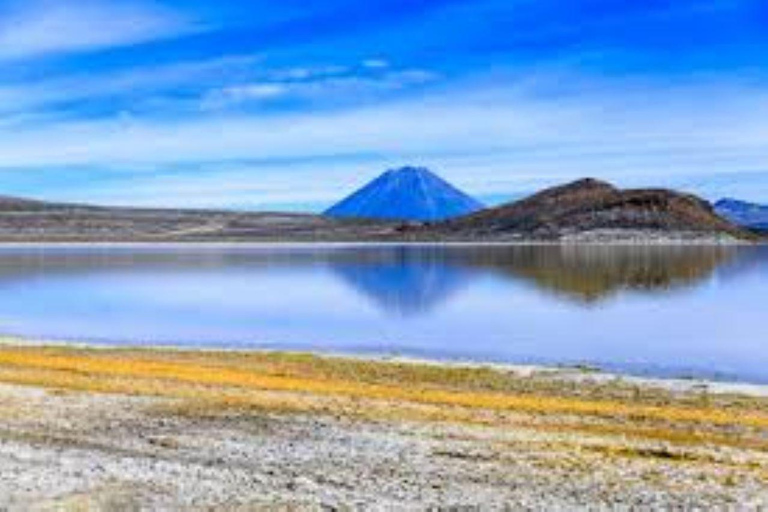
column 24, row 220
column 593, row 210
column 587, row 210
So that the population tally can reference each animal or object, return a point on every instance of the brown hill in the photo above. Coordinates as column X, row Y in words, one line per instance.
column 17, row 204
column 594, row 207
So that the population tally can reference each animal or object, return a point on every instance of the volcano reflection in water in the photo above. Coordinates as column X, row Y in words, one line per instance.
column 656, row 307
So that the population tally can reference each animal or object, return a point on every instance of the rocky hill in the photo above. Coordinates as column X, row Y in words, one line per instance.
column 592, row 210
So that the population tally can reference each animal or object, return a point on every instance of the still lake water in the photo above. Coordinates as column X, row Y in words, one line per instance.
column 682, row 311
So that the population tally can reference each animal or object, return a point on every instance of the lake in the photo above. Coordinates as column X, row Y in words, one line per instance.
column 673, row 311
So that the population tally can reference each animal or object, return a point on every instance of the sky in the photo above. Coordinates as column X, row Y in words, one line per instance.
column 291, row 105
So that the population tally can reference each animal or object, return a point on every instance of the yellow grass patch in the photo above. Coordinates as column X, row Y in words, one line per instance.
column 216, row 381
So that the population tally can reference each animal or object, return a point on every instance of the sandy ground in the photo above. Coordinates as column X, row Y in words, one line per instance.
column 119, row 444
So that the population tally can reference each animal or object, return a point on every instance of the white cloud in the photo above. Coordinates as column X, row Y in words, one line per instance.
column 344, row 86
column 38, row 27
column 696, row 124
column 221, row 83
column 307, row 73
column 254, row 185
column 235, row 95
column 486, row 139
column 376, row 64
column 37, row 99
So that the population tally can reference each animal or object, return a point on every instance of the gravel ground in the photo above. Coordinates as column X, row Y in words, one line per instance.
column 81, row 451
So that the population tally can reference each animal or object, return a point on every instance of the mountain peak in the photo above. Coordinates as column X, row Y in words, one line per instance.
column 407, row 193
column 410, row 171
column 729, row 202
column 743, row 213
column 591, row 183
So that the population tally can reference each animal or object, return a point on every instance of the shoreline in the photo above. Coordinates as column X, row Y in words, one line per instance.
column 192, row 244
column 168, row 429
column 573, row 372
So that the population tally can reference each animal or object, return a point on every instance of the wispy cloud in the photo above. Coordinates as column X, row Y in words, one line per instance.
column 256, row 185
column 125, row 89
column 327, row 84
column 487, row 138
column 296, row 101
column 187, row 87
column 376, row 63
column 37, row 27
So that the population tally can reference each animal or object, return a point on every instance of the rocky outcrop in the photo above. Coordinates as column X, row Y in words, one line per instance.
column 589, row 206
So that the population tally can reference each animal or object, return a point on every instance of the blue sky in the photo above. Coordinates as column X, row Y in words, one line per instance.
column 292, row 104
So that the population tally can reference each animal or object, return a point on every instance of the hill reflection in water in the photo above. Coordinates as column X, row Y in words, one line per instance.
column 594, row 273
column 409, row 281
column 415, row 280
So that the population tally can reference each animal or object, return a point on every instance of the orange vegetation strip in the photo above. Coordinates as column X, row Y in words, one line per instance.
column 105, row 365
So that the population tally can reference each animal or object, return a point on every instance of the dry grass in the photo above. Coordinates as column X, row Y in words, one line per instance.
column 203, row 383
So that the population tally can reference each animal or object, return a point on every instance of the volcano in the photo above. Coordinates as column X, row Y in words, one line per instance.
column 406, row 194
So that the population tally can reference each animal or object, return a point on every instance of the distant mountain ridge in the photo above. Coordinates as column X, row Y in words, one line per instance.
column 743, row 213
column 584, row 211
column 406, row 194
column 591, row 208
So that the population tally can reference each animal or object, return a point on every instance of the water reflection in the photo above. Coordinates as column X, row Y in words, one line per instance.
column 416, row 280
column 404, row 281
column 596, row 273
column 667, row 310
